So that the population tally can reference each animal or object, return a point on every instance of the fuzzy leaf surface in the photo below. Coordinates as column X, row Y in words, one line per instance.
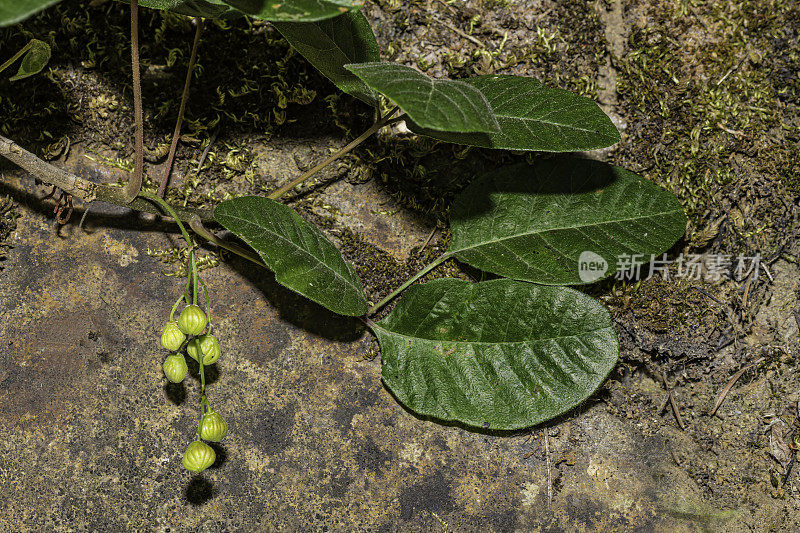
column 294, row 10
column 534, row 117
column 194, row 8
column 442, row 105
column 13, row 11
column 500, row 354
column 302, row 257
column 33, row 61
column 532, row 223
column 332, row 43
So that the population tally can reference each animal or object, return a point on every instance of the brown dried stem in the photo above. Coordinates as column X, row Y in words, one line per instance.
column 135, row 183
column 184, row 97
column 83, row 189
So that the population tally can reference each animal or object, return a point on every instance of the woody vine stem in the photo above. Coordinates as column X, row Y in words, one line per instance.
column 196, row 218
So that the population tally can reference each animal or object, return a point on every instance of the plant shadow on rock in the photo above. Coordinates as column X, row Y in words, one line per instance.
column 297, row 309
column 199, row 490
column 175, row 392
column 88, row 94
column 211, row 372
column 221, row 453
column 425, row 175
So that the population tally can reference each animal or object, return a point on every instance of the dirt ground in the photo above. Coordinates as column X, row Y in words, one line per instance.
column 706, row 95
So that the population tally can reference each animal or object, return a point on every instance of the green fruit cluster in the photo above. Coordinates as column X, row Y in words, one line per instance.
column 199, row 455
column 204, row 348
column 191, row 323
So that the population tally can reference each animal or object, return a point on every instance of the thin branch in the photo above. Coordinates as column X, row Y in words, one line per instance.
column 438, row 261
column 197, row 226
column 135, row 183
column 83, row 189
column 205, row 152
column 731, row 382
column 184, row 97
column 383, row 121
column 16, row 56
column 549, row 475
column 672, row 403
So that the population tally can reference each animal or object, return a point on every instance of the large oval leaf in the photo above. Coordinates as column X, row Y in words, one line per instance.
column 443, row 105
column 193, row 8
column 557, row 221
column 13, row 11
column 500, row 354
column 294, row 10
column 303, row 259
column 330, row 44
column 535, row 117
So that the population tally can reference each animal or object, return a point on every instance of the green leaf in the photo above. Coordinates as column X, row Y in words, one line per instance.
column 212, row 9
column 534, row 117
column 444, row 105
column 501, row 354
column 36, row 57
column 332, row 43
column 533, row 223
column 294, row 10
column 303, row 259
column 13, row 11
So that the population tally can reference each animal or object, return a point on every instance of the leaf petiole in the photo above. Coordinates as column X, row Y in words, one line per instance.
column 208, row 303
column 197, row 226
column 16, row 56
column 175, row 307
column 436, row 262
column 385, row 120
column 193, row 263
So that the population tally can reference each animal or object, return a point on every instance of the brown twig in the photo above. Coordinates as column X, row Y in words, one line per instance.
column 428, row 239
column 727, row 388
column 135, row 183
column 380, row 123
column 672, row 403
column 549, row 475
column 63, row 209
column 184, row 98
column 82, row 189
column 746, row 293
column 205, row 152
column 464, row 34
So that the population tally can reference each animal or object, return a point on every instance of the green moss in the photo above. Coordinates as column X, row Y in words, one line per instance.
column 86, row 97
column 178, row 260
column 710, row 112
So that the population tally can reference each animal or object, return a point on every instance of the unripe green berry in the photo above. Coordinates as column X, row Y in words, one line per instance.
column 198, row 456
column 205, row 344
column 192, row 320
column 213, row 427
column 172, row 337
column 175, row 368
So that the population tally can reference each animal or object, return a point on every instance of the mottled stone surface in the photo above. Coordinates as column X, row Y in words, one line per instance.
column 95, row 436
